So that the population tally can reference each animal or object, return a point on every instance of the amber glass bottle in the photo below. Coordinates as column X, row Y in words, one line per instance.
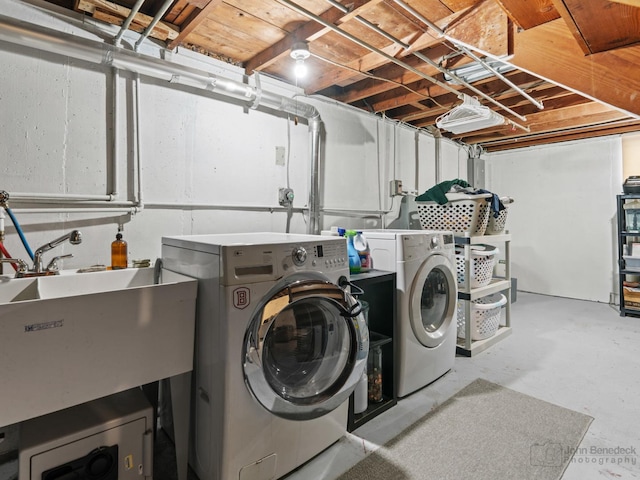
column 118, row 253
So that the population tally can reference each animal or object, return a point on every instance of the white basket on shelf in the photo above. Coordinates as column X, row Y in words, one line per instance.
column 482, row 259
column 485, row 316
column 463, row 213
column 631, row 263
column 495, row 225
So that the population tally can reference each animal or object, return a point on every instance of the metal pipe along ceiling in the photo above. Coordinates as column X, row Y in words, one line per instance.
column 400, row 63
column 428, row 61
column 35, row 36
column 154, row 22
column 468, row 52
column 127, row 22
column 357, row 41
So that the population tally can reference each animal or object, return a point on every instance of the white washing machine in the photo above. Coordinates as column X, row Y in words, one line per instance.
column 424, row 262
column 280, row 346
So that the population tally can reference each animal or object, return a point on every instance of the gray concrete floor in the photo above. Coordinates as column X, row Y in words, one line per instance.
column 576, row 354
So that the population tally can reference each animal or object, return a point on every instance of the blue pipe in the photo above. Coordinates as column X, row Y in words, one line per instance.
column 20, row 233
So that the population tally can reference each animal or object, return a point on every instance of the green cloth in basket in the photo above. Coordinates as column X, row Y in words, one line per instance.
column 437, row 192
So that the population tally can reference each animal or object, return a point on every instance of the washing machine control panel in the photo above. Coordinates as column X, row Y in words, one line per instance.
column 299, row 255
column 321, row 257
column 447, row 238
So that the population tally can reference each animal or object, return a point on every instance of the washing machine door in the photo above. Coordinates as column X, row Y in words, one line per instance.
column 306, row 347
column 432, row 301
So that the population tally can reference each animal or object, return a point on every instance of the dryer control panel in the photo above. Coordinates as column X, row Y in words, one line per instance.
column 419, row 246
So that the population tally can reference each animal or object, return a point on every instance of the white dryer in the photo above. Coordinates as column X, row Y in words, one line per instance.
column 424, row 262
column 280, row 346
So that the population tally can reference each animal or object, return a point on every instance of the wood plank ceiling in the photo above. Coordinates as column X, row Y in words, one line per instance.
column 568, row 69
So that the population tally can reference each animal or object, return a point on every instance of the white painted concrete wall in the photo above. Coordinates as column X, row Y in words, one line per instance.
column 563, row 220
column 196, row 148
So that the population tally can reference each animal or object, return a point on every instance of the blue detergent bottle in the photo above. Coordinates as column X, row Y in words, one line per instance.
column 354, row 258
column 362, row 247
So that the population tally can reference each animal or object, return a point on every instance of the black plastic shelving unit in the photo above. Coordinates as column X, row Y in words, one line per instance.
column 623, row 236
column 379, row 288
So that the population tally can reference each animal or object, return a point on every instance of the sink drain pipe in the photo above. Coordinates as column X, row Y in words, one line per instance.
column 59, row 43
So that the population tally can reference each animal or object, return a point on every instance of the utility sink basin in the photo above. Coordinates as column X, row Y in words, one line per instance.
column 18, row 289
column 71, row 338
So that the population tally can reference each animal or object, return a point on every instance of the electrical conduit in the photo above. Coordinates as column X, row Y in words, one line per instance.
column 59, row 43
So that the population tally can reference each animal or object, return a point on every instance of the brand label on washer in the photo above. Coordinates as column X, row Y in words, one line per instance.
column 241, row 298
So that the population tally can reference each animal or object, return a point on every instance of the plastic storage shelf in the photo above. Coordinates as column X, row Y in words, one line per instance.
column 485, row 316
column 481, row 262
column 380, row 291
column 466, row 293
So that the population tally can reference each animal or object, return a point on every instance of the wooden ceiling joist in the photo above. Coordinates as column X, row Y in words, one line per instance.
column 614, row 128
column 116, row 14
column 308, row 32
column 551, row 52
column 192, row 22
column 579, row 59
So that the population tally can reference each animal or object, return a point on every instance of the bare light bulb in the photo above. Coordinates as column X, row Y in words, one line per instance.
column 300, row 69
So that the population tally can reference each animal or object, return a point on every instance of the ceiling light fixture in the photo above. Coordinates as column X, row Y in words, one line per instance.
column 300, row 52
column 475, row 71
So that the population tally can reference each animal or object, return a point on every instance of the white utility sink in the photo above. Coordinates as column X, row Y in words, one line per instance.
column 18, row 289
column 71, row 338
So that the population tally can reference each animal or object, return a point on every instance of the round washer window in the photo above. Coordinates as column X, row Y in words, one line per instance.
column 306, row 350
column 434, row 303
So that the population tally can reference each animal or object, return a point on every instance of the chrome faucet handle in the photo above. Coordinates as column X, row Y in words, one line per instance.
column 74, row 237
column 22, row 265
column 53, row 265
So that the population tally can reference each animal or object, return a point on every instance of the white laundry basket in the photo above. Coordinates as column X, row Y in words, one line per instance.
column 482, row 259
column 485, row 316
column 462, row 213
column 495, row 225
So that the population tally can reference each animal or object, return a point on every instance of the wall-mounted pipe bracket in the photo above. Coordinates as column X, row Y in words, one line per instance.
column 258, row 99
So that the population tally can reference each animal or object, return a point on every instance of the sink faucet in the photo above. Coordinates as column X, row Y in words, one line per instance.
column 74, row 237
column 22, row 265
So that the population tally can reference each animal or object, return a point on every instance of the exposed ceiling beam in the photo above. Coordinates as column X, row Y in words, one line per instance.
column 418, row 42
column 550, row 50
column 585, row 20
column 633, row 3
column 546, row 122
column 308, row 32
column 615, row 128
column 527, row 15
column 116, row 14
column 385, row 99
column 470, row 30
column 368, row 88
column 364, row 64
column 196, row 18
